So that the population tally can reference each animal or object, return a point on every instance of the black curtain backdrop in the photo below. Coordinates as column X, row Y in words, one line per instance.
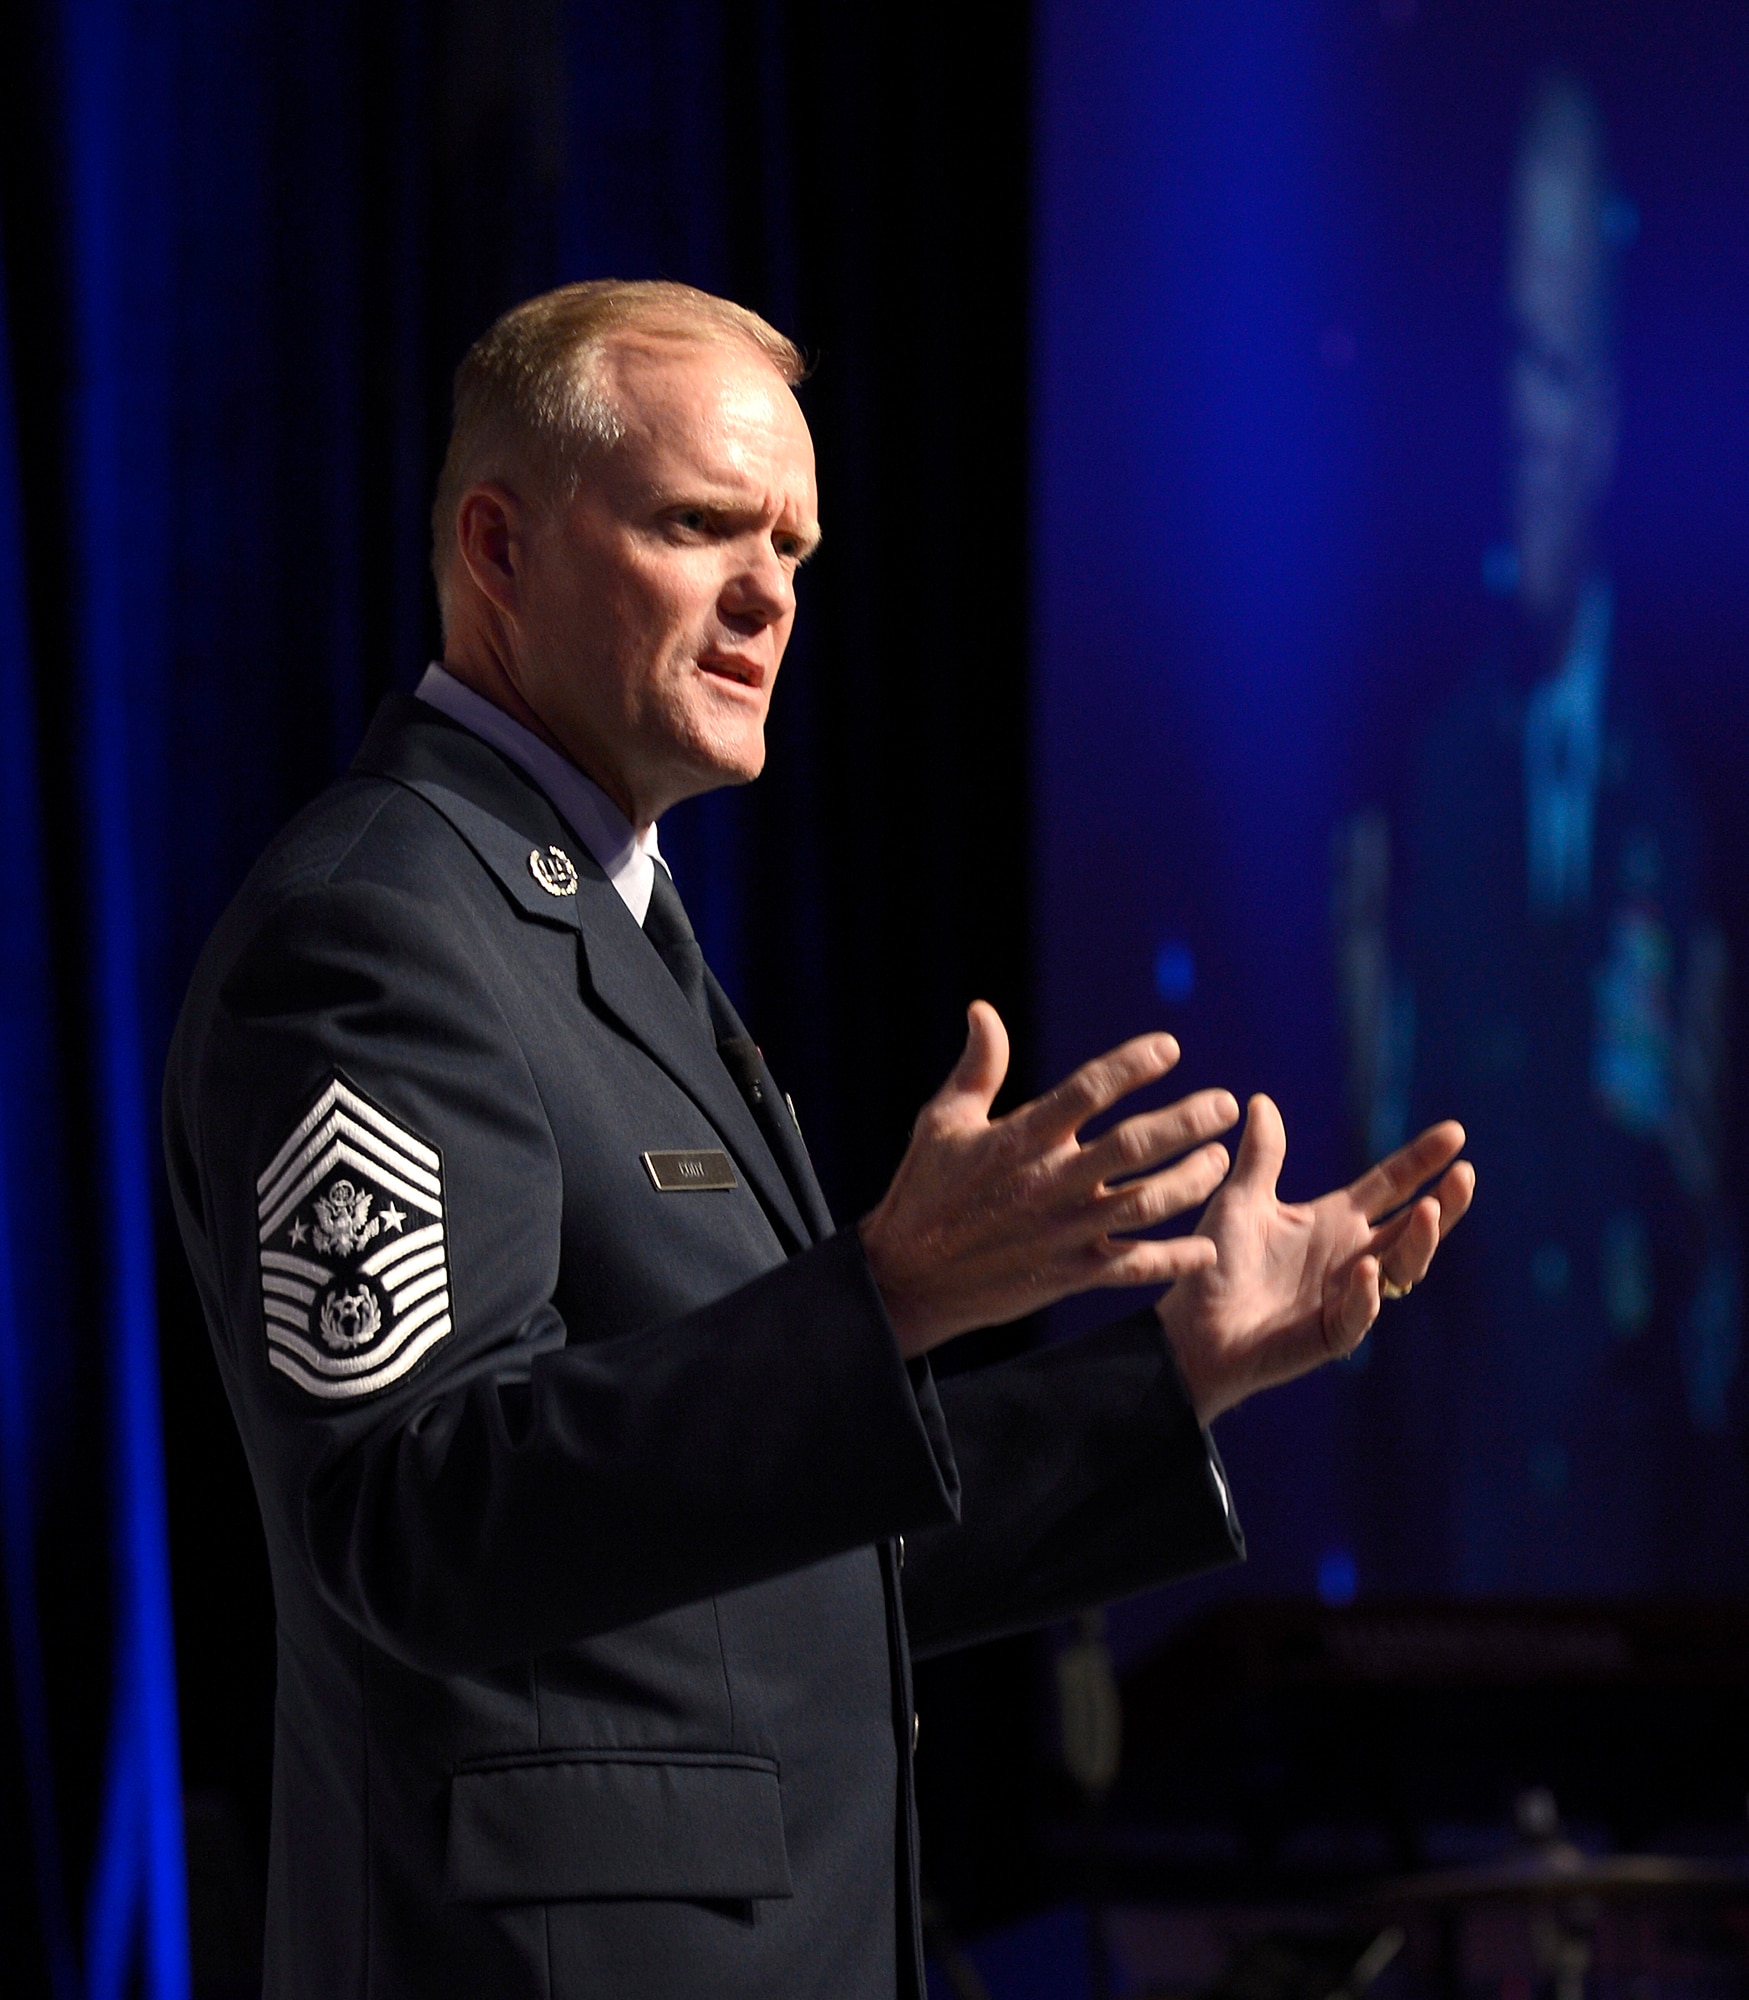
column 244, row 247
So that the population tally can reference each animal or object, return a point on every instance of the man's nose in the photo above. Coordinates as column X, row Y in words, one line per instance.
column 762, row 590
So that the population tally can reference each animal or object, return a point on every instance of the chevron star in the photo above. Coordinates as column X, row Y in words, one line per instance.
column 299, row 1230
column 391, row 1217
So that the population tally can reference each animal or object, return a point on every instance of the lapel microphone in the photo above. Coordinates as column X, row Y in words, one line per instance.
column 740, row 1054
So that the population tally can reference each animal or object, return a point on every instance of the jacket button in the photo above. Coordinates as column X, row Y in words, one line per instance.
column 916, row 1726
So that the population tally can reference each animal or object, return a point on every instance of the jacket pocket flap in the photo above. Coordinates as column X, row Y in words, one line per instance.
column 571, row 1825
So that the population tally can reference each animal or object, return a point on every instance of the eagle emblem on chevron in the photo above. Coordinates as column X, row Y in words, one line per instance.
column 354, row 1259
column 343, row 1219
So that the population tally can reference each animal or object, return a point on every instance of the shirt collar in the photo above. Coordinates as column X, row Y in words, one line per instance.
column 627, row 858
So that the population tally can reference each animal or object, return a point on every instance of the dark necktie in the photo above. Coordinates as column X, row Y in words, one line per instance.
column 666, row 926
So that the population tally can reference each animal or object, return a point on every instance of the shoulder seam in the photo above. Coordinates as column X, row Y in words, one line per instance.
column 390, row 791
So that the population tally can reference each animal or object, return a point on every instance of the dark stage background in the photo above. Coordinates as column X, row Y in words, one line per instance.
column 1159, row 417
column 1270, row 523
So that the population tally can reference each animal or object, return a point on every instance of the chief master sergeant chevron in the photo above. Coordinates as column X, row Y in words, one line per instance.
column 606, row 1488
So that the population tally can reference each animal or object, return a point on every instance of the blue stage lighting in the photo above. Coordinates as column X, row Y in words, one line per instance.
column 1338, row 1578
column 1174, row 971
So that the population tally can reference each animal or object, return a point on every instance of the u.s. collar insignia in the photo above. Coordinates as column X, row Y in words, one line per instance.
column 354, row 1265
column 555, row 871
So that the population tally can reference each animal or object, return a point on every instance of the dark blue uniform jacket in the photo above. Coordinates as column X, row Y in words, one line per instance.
column 583, row 1499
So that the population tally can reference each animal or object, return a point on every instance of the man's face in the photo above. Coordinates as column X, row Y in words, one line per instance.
column 659, row 601
column 1562, row 409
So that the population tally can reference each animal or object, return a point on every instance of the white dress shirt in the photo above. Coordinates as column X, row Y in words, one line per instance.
column 627, row 858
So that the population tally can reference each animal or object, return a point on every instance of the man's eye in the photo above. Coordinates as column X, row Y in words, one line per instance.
column 693, row 519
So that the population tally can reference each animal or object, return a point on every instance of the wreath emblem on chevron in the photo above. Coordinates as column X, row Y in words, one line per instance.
column 352, row 1319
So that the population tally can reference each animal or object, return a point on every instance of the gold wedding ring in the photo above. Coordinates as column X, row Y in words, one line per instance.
column 1390, row 1290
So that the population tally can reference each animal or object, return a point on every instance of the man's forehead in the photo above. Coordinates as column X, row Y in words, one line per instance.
column 710, row 410
column 655, row 376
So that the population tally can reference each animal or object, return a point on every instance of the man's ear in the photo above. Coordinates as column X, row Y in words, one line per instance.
column 491, row 537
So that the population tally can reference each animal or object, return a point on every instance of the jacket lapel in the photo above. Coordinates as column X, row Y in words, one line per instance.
column 619, row 964
column 633, row 984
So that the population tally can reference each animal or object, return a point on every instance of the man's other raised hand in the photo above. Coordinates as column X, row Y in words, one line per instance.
column 1297, row 1284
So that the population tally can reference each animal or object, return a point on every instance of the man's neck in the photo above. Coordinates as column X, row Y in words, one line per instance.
column 482, row 670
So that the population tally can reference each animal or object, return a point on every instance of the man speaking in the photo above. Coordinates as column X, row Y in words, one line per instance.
column 606, row 1487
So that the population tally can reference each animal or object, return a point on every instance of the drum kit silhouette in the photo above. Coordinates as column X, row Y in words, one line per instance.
column 1562, row 1890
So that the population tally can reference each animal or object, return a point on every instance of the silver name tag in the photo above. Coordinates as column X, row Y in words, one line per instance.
column 705, row 1172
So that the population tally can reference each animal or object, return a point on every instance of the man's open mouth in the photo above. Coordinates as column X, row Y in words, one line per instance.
column 726, row 667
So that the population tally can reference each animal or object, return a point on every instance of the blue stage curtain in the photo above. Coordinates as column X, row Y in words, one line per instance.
column 114, row 452
column 243, row 248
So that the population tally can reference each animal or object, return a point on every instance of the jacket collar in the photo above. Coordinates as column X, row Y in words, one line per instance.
column 508, row 822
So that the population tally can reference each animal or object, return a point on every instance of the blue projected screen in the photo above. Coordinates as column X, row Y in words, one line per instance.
column 1392, row 720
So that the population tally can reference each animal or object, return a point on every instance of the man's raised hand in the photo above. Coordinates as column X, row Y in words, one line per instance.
column 1298, row 1284
column 987, row 1219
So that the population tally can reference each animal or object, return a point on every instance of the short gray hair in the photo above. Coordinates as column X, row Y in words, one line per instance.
column 529, row 398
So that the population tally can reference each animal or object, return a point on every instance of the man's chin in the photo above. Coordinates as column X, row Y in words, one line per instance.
column 742, row 770
column 717, row 762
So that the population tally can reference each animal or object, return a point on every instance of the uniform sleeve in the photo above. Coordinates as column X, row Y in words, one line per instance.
column 1085, row 1477
column 511, row 1488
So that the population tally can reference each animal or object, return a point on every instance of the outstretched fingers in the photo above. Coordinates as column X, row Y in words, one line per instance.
column 1151, row 1137
column 1095, row 1087
column 1455, row 1192
column 1356, row 1306
column 1407, row 1243
column 974, row 1080
column 1262, row 1149
column 1144, row 1261
column 1404, row 1246
column 1155, row 1198
column 1388, row 1185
